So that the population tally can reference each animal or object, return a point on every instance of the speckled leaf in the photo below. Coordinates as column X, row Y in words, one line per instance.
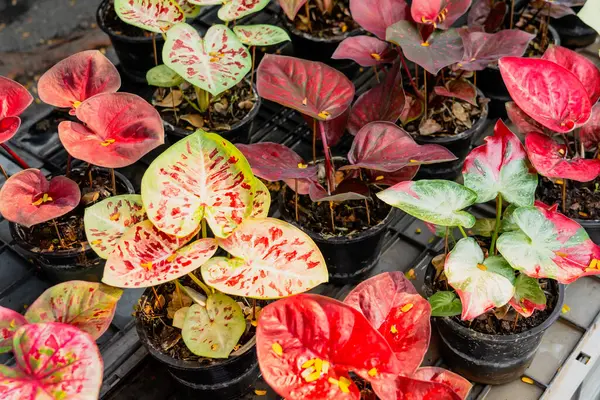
column 189, row 9
column 445, row 304
column 459, row 89
column 10, row 321
column 146, row 256
column 482, row 284
column 291, row 7
column 53, row 361
column 403, row 387
column 439, row 13
column 105, row 222
column 441, row 49
column 590, row 132
column 214, row 63
column 459, row 385
column 152, row 15
column 14, row 99
column 436, row 201
column 27, row 198
column 523, row 122
column 529, row 296
column 200, row 177
column 548, row 245
column 589, row 14
column 206, row 2
column 262, row 200
column 483, row 49
column 309, row 87
column 275, row 162
column 376, row 15
column 236, row 9
column 365, row 50
column 163, row 76
column 260, row 35
column 500, row 167
column 88, row 306
column 271, row 259
column 213, row 331
column 392, row 305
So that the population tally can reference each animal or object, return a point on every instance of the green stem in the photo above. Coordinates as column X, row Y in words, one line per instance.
column 204, row 229
column 200, row 284
column 462, row 231
column 497, row 226
column 203, row 98
column 190, row 102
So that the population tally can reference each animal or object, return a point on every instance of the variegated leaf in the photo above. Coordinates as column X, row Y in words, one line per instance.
column 262, row 200
column 529, row 296
column 152, row 15
column 189, row 9
column 445, row 304
column 163, row 76
column 236, row 9
column 10, row 321
column 260, row 35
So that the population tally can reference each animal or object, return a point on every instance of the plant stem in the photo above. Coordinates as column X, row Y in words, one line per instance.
column 69, row 161
column 15, row 156
column 564, row 196
column 62, row 242
column 581, row 144
column 512, row 13
column 156, row 296
column 253, row 309
column 516, row 320
column 296, row 197
column 203, row 99
column 173, row 103
column 329, row 168
column 366, row 201
column 179, row 293
column 190, row 102
column 417, row 74
column 154, row 48
column 376, row 73
column 314, row 143
column 113, row 181
column 462, row 231
column 88, row 172
column 307, row 9
column 446, row 240
column 4, row 171
column 425, row 93
column 410, row 79
column 253, row 61
column 475, row 78
column 204, row 234
column 200, row 284
column 332, row 216
column 497, row 226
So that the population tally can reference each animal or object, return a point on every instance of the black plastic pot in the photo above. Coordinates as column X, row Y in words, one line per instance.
column 223, row 379
column 136, row 54
column 485, row 358
column 573, row 32
column 67, row 265
column 459, row 145
column 592, row 227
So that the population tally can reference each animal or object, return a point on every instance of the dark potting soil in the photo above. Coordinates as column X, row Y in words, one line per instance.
column 224, row 111
column 543, row 37
column 326, row 25
column 118, row 27
column 49, row 124
column 157, row 321
column 583, row 198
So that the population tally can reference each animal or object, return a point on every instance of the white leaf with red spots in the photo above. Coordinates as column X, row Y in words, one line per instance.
column 152, row 15
column 236, row 9
column 214, row 63
column 272, row 259
column 105, row 222
column 190, row 10
column 260, row 35
column 206, row 2
column 262, row 200
column 147, row 257
column 10, row 321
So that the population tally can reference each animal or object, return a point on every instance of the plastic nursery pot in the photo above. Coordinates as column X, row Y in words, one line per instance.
column 459, row 145
column 240, row 132
column 592, row 227
column 573, row 32
column 71, row 264
column 136, row 54
column 485, row 358
column 223, row 379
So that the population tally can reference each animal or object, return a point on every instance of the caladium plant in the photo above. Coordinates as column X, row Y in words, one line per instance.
column 152, row 15
column 14, row 99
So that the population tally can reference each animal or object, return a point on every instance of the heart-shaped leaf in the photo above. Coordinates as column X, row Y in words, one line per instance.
column 482, row 283
column 589, row 14
column 483, row 49
column 152, row 15
column 441, row 49
column 436, row 201
column 260, row 35
column 236, row 9
column 200, row 177
column 309, row 87
column 272, row 259
column 548, row 245
column 348, row 189
column 403, row 387
column 439, row 13
column 590, row 132
column 276, row 162
column 213, row 331
column 28, row 198
column 14, row 99
column 163, row 76
column 500, row 167
column 77, row 78
column 10, row 321
column 383, row 146
column 535, row 85
column 262, row 200
column 488, row 14
column 376, row 15
column 120, row 128
column 459, row 385
column 392, row 305
column 291, row 7
column 307, row 345
column 366, row 51
column 445, row 304
column 584, row 69
column 88, row 306
column 54, row 361
column 549, row 159
column 384, row 102
column 189, row 9
column 523, row 122
column 105, row 222
column 146, row 256
column 458, row 88
column 529, row 296
column 413, row 109
column 214, row 63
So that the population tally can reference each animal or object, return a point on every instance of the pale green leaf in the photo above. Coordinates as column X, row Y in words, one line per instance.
column 260, row 35
column 445, row 304
column 163, row 76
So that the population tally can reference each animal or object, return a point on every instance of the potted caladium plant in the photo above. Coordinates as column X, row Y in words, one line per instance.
column 315, row 347
column 561, row 136
column 508, row 271
column 195, row 317
column 53, row 343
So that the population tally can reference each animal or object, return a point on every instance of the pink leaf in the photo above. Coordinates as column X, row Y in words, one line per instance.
column 291, row 7
column 458, row 88
column 522, row 121
column 392, row 305
column 459, row 385
column 376, row 15
column 120, row 128
column 366, row 51
column 77, row 78
column 10, row 321
column 27, row 198
column 276, row 162
column 549, row 159
column 14, row 99
column 439, row 13
column 547, row 92
column 590, row 132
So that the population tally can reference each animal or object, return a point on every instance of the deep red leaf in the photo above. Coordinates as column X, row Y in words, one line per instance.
column 14, row 99
column 547, row 92
column 366, row 51
column 439, row 13
column 276, row 162
column 590, row 132
column 459, row 385
column 392, row 178
column 402, row 388
column 522, row 121
column 458, row 88
column 348, row 189
column 376, row 15
column 413, row 109
column 488, row 14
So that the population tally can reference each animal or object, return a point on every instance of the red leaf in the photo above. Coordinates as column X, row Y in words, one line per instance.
column 459, row 385
column 276, row 162
column 392, row 305
column 309, row 87
column 547, row 92
column 306, row 327
column 14, row 99
column 485, row 13
column 548, row 158
column 384, row 102
column 366, row 51
column 526, row 307
column 439, row 13
column 555, row 10
column 27, row 198
column 590, row 132
column 384, row 146
column 348, row 189
column 402, row 388
column 119, row 129
column 412, row 110
column 458, row 88
column 10, row 321
column 376, row 15
column 77, row 78
column 392, row 178
column 522, row 121
column 585, row 70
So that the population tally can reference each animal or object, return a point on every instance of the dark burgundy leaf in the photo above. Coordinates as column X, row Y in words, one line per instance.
column 392, row 178
column 458, row 88
column 348, row 189
column 276, row 162
column 590, row 132
column 366, row 51
column 412, row 110
column 376, row 15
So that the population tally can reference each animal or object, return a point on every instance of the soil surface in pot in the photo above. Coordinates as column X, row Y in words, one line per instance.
column 156, row 316
column 531, row 24
column 70, row 226
column 117, row 26
column 583, row 198
column 225, row 110
column 336, row 23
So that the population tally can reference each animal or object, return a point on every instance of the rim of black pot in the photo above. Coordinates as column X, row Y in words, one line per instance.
column 592, row 223
column 110, row 32
column 306, row 35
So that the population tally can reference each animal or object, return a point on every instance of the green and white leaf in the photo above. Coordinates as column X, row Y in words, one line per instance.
column 189, row 9
column 483, row 227
column 163, row 76
column 508, row 223
column 235, row 9
column 262, row 200
column 529, row 289
column 152, row 15
column 445, row 304
column 179, row 317
column 260, row 35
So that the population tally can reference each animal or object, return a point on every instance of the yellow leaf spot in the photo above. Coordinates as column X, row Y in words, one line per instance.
column 37, row 202
column 302, row 166
column 96, row 242
column 584, row 215
column 308, row 363
column 213, row 53
column 410, row 274
column 171, row 257
column 459, row 65
column 559, row 181
column 214, row 59
column 12, row 325
column 107, row 142
column 561, row 152
column 115, row 216
column 318, row 365
column 254, row 323
column 393, row 329
column 378, row 178
column 482, row 267
column 345, row 384
column 425, row 44
column 372, row 372
column 313, row 377
column 344, row 28
column 375, row 56
column 324, row 114
column 304, row 101
column 593, row 264
column 333, row 381
column 527, row 380
column 407, row 307
column 277, row 349
column 260, row 392
column 147, row 265
column 565, row 309
column 76, row 104
column 414, row 161
column 214, row 347
column 561, row 254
